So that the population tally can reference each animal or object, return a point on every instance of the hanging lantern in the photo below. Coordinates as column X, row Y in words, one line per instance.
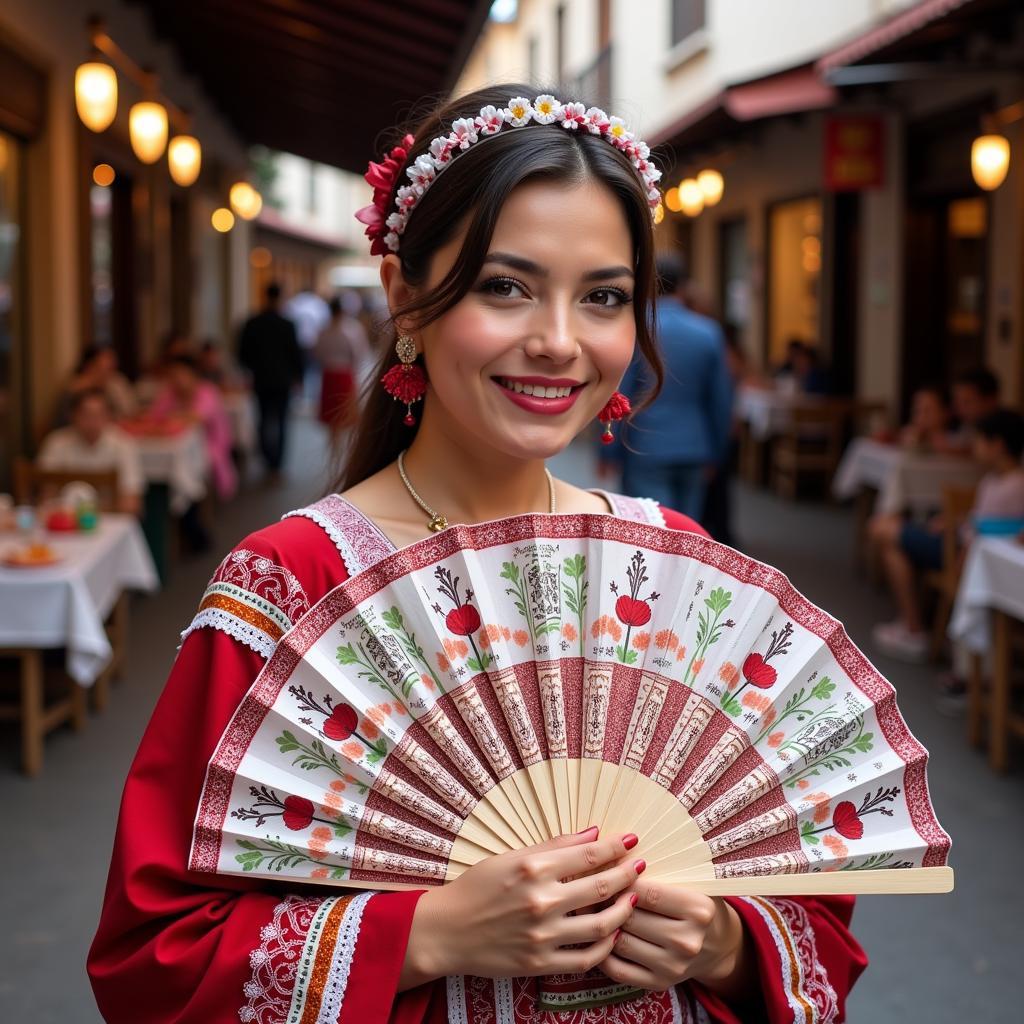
column 672, row 200
column 184, row 158
column 147, row 127
column 712, row 185
column 96, row 95
column 691, row 197
column 245, row 200
column 990, row 161
column 223, row 220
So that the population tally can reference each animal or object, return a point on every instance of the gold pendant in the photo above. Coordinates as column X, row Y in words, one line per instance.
column 438, row 523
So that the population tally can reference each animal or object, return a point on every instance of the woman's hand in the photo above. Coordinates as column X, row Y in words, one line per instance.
column 509, row 916
column 675, row 935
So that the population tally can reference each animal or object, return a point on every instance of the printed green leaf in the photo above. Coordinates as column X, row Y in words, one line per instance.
column 863, row 742
column 341, row 830
column 730, row 705
column 575, row 566
column 823, row 688
column 807, row 833
column 393, row 619
column 718, row 600
column 249, row 861
column 510, row 571
column 287, row 742
column 627, row 657
column 347, row 656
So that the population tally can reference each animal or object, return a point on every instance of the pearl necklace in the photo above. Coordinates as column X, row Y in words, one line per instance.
column 438, row 521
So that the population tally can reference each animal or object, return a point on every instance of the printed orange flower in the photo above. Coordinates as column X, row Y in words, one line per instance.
column 681, row 653
column 804, row 784
column 370, row 731
column 697, row 666
column 455, row 648
column 442, row 662
column 484, row 640
column 506, row 633
column 666, row 639
column 332, row 799
column 378, row 713
column 521, row 637
column 400, row 709
column 821, row 806
column 641, row 641
column 729, row 674
column 569, row 632
column 352, row 749
column 836, row 845
column 318, row 842
column 756, row 701
column 769, row 717
column 595, row 628
column 319, row 873
column 775, row 739
column 494, row 633
column 428, row 681
column 338, row 786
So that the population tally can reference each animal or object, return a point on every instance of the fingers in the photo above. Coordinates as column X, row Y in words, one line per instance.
column 579, row 961
column 642, row 953
column 676, row 902
column 586, row 929
column 628, row 973
column 588, row 835
column 593, row 890
column 587, row 857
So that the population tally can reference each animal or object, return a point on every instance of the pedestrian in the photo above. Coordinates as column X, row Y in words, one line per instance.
column 519, row 285
column 670, row 449
column 269, row 349
column 342, row 350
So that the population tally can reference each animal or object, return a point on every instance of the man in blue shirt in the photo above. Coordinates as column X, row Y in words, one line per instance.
column 671, row 448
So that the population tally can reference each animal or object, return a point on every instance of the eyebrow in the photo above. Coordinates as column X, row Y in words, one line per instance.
column 529, row 267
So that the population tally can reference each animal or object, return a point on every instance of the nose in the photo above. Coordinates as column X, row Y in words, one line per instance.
column 553, row 337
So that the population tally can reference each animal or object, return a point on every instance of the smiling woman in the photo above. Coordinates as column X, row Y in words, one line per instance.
column 517, row 246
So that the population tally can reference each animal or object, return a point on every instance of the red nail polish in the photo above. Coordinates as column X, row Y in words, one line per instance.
column 640, row 866
column 630, row 841
column 634, row 899
column 587, row 831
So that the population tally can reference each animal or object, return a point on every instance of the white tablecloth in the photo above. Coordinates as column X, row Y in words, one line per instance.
column 993, row 577
column 241, row 409
column 903, row 479
column 765, row 411
column 180, row 461
column 64, row 605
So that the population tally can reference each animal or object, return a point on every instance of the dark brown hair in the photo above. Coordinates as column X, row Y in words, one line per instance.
column 475, row 186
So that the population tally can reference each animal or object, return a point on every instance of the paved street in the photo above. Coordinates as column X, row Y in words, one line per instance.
column 934, row 959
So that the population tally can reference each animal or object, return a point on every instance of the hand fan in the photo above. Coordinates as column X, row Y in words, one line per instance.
column 495, row 685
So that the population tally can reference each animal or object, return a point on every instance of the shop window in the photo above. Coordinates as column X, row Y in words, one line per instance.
column 13, row 414
column 794, row 275
column 687, row 18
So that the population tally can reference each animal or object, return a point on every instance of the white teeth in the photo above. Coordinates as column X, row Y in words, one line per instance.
column 538, row 390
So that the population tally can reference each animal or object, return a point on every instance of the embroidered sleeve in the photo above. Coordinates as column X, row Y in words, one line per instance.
column 808, row 960
column 252, row 599
column 358, row 540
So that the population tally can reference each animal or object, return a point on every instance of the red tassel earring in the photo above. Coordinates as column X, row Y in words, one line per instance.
column 616, row 408
column 405, row 381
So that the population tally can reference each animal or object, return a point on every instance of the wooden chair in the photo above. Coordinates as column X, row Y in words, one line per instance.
column 957, row 503
column 32, row 484
column 811, row 444
column 990, row 702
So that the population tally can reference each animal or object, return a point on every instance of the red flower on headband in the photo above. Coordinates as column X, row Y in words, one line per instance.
column 382, row 178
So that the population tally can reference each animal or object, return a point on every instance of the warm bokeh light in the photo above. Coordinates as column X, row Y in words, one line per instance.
column 184, row 159
column 245, row 200
column 712, row 184
column 691, row 197
column 659, row 213
column 223, row 219
column 990, row 161
column 147, row 127
column 672, row 200
column 103, row 175
column 96, row 95
column 260, row 258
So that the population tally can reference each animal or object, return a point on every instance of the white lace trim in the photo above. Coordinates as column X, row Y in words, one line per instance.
column 348, row 556
column 655, row 513
column 341, row 961
column 216, row 618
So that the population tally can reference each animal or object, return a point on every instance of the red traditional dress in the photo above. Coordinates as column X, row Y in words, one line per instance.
column 175, row 946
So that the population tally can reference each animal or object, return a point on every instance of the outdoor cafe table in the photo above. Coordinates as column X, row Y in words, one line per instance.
column 904, row 480
column 991, row 593
column 65, row 605
column 765, row 411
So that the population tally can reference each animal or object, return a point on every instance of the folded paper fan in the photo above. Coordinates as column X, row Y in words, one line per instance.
column 495, row 685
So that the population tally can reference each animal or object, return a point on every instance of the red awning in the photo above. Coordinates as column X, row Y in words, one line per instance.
column 892, row 31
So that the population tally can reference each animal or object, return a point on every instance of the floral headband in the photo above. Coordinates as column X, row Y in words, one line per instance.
column 385, row 229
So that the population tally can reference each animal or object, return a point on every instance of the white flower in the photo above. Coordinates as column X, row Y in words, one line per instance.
column 463, row 133
column 546, row 109
column 407, row 197
column 395, row 221
column 391, row 241
column 573, row 115
column 490, row 120
column 441, row 151
column 597, row 121
column 519, row 112
column 651, row 175
column 617, row 130
column 643, row 151
column 422, row 172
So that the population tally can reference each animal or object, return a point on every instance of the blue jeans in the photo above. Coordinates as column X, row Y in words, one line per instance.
column 676, row 485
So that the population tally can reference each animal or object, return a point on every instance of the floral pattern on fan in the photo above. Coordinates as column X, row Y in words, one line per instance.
column 495, row 685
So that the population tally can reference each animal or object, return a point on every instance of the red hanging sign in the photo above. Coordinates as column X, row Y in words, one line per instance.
column 854, row 153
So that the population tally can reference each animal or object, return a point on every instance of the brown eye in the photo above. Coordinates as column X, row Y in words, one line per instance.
column 608, row 297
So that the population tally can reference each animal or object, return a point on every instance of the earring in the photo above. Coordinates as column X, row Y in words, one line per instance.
column 615, row 408
column 405, row 381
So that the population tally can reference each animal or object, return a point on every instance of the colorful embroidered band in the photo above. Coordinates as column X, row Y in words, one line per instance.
column 385, row 228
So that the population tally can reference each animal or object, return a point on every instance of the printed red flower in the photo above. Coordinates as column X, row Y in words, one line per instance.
column 846, row 822
column 463, row 621
column 758, row 673
column 632, row 612
column 342, row 723
column 298, row 813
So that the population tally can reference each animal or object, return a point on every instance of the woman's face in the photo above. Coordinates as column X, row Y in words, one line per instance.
column 551, row 309
column 928, row 412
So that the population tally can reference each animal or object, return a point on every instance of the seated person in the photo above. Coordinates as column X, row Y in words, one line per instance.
column 185, row 393
column 908, row 547
column 97, row 371
column 802, row 371
column 928, row 431
column 93, row 444
column 975, row 395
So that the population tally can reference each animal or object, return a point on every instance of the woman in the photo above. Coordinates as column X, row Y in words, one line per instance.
column 97, row 370
column 341, row 350
column 526, row 263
